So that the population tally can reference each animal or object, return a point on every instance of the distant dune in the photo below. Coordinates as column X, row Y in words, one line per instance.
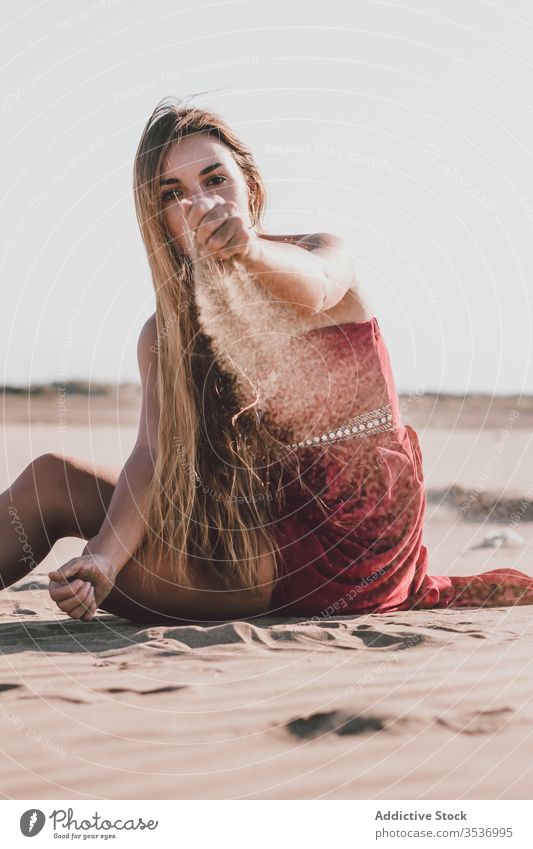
column 71, row 387
column 443, row 410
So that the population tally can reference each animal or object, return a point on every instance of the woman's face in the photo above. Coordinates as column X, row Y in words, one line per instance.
column 195, row 167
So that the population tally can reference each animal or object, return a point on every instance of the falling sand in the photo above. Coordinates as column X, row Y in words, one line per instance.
column 248, row 327
column 299, row 379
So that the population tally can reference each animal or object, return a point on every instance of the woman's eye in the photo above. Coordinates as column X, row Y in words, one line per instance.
column 168, row 195
column 217, row 177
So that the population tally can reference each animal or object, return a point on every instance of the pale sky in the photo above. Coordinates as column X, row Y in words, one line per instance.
column 407, row 128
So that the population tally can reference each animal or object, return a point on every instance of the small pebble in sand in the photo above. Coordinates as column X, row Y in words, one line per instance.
column 506, row 538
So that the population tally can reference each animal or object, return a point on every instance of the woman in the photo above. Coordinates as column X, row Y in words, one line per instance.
column 271, row 472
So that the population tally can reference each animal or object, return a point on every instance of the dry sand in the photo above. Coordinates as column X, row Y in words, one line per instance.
column 413, row 705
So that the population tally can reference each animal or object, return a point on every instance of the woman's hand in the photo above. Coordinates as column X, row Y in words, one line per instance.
column 217, row 229
column 79, row 587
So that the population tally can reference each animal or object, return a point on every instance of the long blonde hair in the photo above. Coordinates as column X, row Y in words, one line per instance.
column 207, row 500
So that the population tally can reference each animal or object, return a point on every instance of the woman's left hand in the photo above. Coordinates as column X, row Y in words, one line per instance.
column 80, row 585
column 218, row 229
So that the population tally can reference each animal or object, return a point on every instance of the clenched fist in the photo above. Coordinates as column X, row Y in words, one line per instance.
column 79, row 587
column 217, row 229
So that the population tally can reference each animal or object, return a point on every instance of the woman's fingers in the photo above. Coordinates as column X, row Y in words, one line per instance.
column 81, row 611
column 59, row 591
column 214, row 233
column 72, row 604
column 80, row 598
column 195, row 213
column 64, row 572
column 89, row 614
column 73, row 587
column 212, row 227
column 205, row 216
column 77, row 584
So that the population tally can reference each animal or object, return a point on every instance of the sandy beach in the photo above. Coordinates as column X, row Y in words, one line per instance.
column 412, row 705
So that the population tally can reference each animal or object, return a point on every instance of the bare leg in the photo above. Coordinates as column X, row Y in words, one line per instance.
column 55, row 496
column 59, row 496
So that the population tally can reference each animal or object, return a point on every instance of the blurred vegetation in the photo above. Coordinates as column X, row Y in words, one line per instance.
column 70, row 387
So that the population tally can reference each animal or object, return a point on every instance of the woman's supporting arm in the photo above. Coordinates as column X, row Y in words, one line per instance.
column 123, row 528
column 79, row 586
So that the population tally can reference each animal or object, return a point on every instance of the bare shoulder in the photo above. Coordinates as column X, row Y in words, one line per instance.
column 310, row 241
column 147, row 356
column 147, row 344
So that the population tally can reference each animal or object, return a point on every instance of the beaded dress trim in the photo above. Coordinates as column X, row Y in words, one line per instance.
column 372, row 421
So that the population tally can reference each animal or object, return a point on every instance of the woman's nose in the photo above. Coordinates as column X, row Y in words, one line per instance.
column 194, row 197
column 198, row 192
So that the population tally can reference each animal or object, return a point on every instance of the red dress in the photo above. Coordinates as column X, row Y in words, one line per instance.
column 351, row 533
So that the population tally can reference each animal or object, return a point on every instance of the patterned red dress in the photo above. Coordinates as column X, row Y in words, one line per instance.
column 350, row 531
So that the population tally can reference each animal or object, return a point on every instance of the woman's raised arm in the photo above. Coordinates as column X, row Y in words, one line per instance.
column 315, row 273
